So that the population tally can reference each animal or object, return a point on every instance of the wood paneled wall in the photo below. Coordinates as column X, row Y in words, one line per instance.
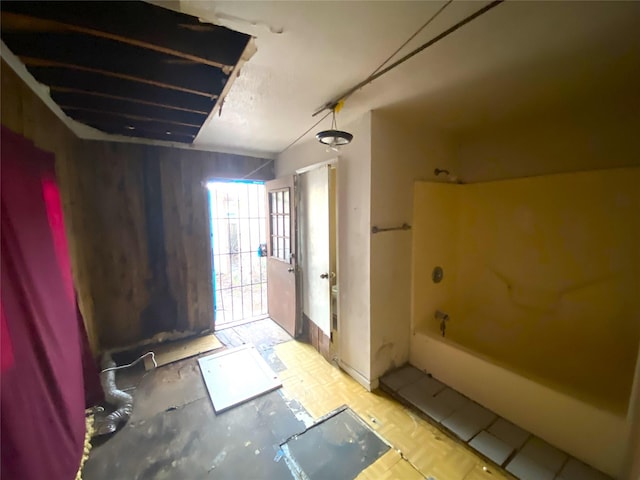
column 137, row 221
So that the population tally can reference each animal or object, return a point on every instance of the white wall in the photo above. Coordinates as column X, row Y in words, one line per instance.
column 354, row 213
column 399, row 156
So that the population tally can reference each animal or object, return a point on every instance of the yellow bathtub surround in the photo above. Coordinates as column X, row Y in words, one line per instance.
column 540, row 275
column 541, row 287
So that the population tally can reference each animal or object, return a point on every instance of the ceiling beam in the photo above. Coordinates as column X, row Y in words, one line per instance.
column 94, row 82
column 38, row 62
column 123, row 106
column 179, row 42
column 129, row 116
column 77, row 91
column 101, row 54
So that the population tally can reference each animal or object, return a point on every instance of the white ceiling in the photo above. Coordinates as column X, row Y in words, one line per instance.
column 517, row 57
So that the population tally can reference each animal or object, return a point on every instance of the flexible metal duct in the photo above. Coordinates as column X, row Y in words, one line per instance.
column 121, row 400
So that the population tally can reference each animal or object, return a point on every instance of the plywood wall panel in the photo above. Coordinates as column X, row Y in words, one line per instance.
column 187, row 240
column 137, row 220
column 117, row 238
column 150, row 207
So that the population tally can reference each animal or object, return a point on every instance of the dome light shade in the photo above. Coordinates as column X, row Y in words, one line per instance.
column 334, row 137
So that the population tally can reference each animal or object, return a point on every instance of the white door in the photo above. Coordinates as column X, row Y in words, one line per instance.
column 314, row 243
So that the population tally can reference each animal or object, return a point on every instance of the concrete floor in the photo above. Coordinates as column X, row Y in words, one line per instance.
column 175, row 434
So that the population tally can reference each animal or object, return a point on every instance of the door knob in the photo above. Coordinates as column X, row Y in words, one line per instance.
column 290, row 269
column 324, row 275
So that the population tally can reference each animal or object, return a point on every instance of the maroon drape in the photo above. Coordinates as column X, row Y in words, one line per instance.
column 44, row 347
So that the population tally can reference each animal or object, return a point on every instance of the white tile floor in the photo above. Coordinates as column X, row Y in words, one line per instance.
column 491, row 447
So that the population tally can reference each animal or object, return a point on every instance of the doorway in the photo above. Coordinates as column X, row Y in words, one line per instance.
column 302, row 255
column 318, row 256
column 238, row 244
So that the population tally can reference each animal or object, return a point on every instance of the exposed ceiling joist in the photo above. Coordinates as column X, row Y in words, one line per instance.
column 95, row 102
column 87, row 81
column 124, row 98
column 112, row 64
column 38, row 62
column 145, row 26
column 113, row 57
column 162, row 121
column 22, row 23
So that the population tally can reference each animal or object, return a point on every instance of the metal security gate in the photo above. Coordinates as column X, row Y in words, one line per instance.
column 238, row 241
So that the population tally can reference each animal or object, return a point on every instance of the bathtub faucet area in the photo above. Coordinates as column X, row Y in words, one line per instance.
column 443, row 317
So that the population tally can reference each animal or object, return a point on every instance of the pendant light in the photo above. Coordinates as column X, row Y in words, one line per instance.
column 333, row 137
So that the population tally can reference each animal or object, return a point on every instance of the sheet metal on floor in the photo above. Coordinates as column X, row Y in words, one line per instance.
column 420, row 450
column 338, row 446
column 236, row 376
column 190, row 442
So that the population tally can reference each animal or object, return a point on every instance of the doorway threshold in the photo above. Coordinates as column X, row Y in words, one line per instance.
column 238, row 323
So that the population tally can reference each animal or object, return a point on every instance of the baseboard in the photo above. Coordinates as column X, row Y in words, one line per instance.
column 370, row 385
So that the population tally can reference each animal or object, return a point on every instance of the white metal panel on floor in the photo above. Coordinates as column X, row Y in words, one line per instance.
column 236, row 376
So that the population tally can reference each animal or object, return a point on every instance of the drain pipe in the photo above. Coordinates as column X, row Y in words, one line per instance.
column 121, row 400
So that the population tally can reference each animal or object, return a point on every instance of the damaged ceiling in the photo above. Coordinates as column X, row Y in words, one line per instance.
column 126, row 68
column 516, row 60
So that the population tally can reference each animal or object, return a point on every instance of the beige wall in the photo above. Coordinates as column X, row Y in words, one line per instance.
column 588, row 137
column 354, row 206
column 375, row 176
column 631, row 470
column 398, row 157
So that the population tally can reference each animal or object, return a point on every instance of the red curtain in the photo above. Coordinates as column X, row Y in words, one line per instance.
column 46, row 365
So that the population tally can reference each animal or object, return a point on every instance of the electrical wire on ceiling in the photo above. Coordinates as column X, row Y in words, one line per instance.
column 388, row 59
column 307, row 131
column 268, row 162
column 336, row 106
column 379, row 71
column 415, row 34
column 332, row 104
